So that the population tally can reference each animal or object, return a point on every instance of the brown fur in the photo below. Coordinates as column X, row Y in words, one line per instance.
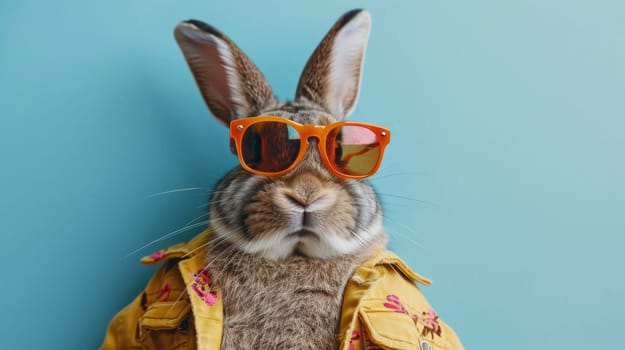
column 207, row 64
column 313, row 84
column 291, row 304
column 284, row 247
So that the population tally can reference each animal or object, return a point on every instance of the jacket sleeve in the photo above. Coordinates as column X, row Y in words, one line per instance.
column 157, row 318
column 121, row 333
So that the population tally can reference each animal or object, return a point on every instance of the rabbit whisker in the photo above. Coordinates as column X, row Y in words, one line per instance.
column 208, row 204
column 408, row 237
column 214, row 241
column 225, row 191
column 197, row 218
column 170, row 234
column 176, row 190
column 405, row 198
column 188, row 286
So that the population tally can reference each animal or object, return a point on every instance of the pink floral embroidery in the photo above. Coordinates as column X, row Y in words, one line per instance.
column 430, row 323
column 158, row 255
column 355, row 336
column 163, row 295
column 201, row 285
column 428, row 320
column 395, row 304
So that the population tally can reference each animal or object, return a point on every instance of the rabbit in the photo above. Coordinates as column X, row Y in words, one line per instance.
column 283, row 248
column 295, row 253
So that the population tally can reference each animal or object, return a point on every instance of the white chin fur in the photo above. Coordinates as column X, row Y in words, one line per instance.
column 280, row 245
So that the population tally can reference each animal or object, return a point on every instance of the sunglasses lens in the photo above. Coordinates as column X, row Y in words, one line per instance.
column 353, row 150
column 270, row 146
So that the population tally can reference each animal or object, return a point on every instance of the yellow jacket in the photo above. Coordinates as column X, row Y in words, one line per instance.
column 382, row 307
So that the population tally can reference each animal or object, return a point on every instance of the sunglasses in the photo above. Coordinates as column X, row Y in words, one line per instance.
column 273, row 146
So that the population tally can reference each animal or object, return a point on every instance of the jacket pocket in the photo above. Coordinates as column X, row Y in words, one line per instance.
column 167, row 325
column 396, row 329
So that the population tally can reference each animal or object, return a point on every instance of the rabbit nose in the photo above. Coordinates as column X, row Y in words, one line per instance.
column 300, row 200
column 308, row 192
column 308, row 205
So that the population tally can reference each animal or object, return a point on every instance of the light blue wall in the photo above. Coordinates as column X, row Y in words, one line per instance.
column 508, row 124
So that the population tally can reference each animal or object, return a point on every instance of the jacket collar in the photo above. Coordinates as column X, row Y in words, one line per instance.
column 182, row 250
column 206, row 298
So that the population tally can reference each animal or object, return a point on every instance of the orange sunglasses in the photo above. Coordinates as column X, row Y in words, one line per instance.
column 273, row 146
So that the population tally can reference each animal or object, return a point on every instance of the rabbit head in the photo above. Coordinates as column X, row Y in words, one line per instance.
column 308, row 211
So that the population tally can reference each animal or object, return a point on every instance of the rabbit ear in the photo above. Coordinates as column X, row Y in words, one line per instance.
column 332, row 74
column 232, row 86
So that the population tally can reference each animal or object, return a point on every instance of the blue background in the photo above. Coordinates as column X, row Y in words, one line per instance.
column 504, row 181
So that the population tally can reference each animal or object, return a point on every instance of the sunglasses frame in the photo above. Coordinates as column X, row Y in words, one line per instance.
column 306, row 131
